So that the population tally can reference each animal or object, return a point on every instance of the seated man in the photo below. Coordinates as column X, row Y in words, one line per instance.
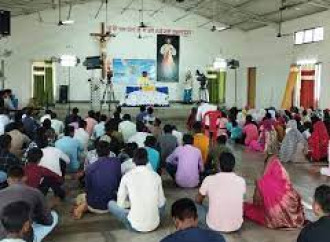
column 19, row 140
column 144, row 80
column 99, row 129
column 40, row 177
column 127, row 128
column 185, row 217
column 185, row 164
column 82, row 135
column 73, row 117
column 71, row 147
column 225, row 191
column 90, row 122
column 140, row 136
column 153, row 154
column 216, row 150
column 201, row 141
column 16, row 221
column 167, row 143
column 44, row 221
column 143, row 188
column 319, row 230
column 102, row 180
column 57, row 124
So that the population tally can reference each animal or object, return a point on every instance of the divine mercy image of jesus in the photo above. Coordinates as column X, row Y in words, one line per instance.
column 168, row 58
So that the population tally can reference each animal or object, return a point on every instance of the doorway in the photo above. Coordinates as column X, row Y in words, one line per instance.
column 43, row 83
column 252, row 86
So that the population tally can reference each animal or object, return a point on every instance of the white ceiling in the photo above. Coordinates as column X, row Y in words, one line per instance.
column 242, row 14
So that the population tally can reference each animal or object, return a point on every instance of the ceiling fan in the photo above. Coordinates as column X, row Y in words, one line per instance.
column 284, row 7
column 68, row 20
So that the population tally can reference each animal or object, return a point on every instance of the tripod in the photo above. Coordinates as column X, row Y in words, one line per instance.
column 108, row 96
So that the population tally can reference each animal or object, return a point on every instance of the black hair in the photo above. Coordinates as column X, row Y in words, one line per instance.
column 16, row 172
column 15, row 215
column 111, row 125
column 197, row 127
column 34, row 155
column 47, row 124
column 127, row 117
column 150, row 110
column 304, row 113
column 140, row 126
column 118, row 109
column 103, row 149
column 188, row 139
column 48, row 111
column 322, row 197
column 103, row 118
column 5, row 141
column 183, row 209
column 91, row 113
column 151, row 141
column 130, row 149
column 142, row 108
column 227, row 162
column 268, row 115
column 82, row 124
column 53, row 115
column 222, row 139
column 234, row 123
column 41, row 138
column 168, row 129
column 140, row 157
column 68, row 130
column 75, row 110
column 248, row 119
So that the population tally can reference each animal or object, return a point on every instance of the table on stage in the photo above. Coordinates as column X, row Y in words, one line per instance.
column 152, row 95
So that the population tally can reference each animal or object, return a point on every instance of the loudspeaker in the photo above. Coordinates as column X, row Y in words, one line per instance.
column 233, row 64
column 63, row 98
column 4, row 23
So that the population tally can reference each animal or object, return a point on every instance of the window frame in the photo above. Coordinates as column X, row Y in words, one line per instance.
column 304, row 32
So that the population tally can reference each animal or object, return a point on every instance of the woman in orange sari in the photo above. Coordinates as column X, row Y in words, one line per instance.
column 318, row 142
column 276, row 203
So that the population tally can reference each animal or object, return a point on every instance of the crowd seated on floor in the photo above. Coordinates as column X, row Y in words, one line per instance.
column 113, row 158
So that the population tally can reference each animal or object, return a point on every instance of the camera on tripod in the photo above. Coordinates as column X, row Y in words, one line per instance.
column 201, row 78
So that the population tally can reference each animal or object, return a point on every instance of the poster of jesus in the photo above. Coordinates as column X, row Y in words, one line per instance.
column 168, row 56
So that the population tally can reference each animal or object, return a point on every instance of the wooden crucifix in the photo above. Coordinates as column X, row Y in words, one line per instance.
column 103, row 37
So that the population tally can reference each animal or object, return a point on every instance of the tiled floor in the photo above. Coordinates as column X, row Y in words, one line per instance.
column 92, row 228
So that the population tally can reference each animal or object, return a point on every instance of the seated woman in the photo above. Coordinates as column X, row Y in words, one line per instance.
column 294, row 146
column 276, row 204
column 191, row 119
column 267, row 141
column 250, row 130
column 236, row 132
column 318, row 142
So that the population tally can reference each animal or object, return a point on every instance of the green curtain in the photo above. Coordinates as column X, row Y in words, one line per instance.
column 49, row 93
column 217, row 86
column 39, row 89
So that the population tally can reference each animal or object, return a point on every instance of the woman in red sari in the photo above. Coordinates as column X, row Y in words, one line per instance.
column 276, row 203
column 318, row 142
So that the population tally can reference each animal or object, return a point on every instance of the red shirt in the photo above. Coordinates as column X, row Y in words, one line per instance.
column 35, row 174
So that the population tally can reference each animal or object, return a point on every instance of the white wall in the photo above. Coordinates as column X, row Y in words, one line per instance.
column 32, row 40
column 272, row 56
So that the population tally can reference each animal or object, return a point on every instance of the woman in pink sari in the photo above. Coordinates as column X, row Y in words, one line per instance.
column 276, row 203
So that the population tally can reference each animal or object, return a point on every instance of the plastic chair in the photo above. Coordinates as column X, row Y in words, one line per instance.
column 214, row 122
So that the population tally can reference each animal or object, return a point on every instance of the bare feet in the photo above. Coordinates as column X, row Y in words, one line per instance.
column 79, row 211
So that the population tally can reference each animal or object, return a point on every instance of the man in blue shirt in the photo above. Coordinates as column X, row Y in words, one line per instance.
column 184, row 214
column 102, row 181
column 153, row 154
column 71, row 147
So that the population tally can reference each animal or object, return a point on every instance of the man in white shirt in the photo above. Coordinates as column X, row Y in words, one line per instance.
column 127, row 128
column 52, row 159
column 140, row 136
column 48, row 115
column 57, row 125
column 4, row 120
column 225, row 191
column 143, row 188
column 99, row 129
column 82, row 135
column 203, row 108
column 178, row 135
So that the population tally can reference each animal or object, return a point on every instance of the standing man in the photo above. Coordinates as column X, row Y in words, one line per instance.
column 188, row 88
